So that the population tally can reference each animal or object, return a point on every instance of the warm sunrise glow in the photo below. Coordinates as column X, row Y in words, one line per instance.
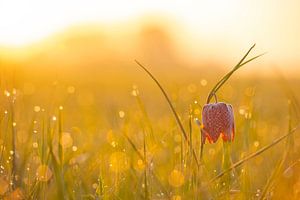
column 149, row 99
column 217, row 26
column 24, row 22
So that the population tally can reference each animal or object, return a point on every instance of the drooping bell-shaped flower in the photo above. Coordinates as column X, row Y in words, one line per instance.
column 217, row 120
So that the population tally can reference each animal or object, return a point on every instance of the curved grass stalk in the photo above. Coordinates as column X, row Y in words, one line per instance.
column 293, row 108
column 143, row 157
column 253, row 155
column 228, row 75
column 185, row 135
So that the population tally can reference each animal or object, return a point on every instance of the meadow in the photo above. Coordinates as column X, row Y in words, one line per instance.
column 112, row 133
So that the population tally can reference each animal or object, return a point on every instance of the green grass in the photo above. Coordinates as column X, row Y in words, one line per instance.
column 91, row 142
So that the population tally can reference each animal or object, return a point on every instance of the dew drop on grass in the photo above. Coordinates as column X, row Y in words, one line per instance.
column 66, row 140
column 121, row 114
column 203, row 82
column 95, row 185
column 258, row 190
column 134, row 93
column 54, row 118
column 6, row 93
column 176, row 178
column 114, row 144
column 37, row 108
column 43, row 173
column 242, row 111
column 74, row 148
column 35, row 145
column 140, row 164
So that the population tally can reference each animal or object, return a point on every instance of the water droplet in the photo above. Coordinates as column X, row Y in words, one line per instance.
column 6, row 93
column 35, row 145
column 74, row 148
column 43, row 173
column 203, row 82
column 37, row 108
column 95, row 185
column 121, row 114
column 242, row 111
column 176, row 178
column 66, row 140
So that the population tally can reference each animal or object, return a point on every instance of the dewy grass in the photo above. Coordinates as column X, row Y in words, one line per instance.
column 150, row 145
column 253, row 155
column 229, row 74
column 288, row 156
column 172, row 108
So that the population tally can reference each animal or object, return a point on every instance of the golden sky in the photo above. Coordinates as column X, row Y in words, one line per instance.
column 220, row 27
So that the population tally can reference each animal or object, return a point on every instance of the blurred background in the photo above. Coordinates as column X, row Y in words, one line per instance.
column 77, row 57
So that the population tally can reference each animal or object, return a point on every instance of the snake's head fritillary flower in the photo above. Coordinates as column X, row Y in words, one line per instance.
column 218, row 120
